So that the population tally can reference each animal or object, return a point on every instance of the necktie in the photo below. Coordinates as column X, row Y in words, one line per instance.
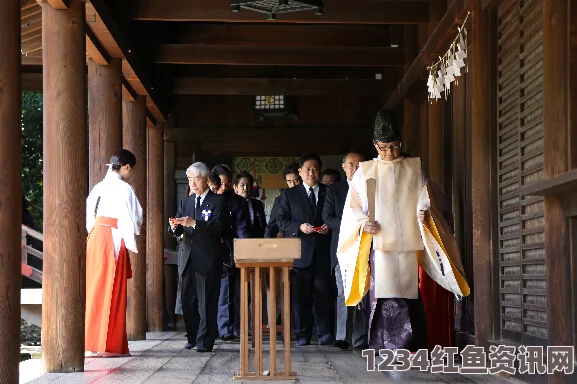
column 197, row 209
column 312, row 199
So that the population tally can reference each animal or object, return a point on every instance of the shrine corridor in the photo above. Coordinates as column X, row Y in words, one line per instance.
column 162, row 359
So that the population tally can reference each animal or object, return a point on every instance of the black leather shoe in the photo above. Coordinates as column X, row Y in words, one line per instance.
column 227, row 337
column 341, row 344
column 203, row 350
column 189, row 346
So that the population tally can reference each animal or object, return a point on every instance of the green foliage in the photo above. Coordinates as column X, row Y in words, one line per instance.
column 32, row 184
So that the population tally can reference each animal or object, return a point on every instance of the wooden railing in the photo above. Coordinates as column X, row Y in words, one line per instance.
column 27, row 270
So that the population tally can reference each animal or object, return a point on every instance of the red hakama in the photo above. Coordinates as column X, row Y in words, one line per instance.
column 106, row 281
column 438, row 303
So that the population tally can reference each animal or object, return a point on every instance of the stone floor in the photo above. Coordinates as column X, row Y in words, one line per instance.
column 162, row 359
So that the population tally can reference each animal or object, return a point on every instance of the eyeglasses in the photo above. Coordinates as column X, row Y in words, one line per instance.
column 392, row 147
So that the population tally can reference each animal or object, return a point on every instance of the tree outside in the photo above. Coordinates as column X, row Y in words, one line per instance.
column 32, row 184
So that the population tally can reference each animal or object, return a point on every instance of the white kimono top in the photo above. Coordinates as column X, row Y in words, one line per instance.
column 117, row 200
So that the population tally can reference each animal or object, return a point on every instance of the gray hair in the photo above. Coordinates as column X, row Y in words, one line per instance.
column 198, row 169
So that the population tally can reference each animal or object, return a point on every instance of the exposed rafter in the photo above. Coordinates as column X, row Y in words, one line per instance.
column 247, row 86
column 265, row 134
column 291, row 56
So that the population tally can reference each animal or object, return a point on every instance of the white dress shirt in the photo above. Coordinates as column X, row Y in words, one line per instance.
column 315, row 191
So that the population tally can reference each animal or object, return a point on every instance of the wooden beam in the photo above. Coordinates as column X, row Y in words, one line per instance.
column 279, row 34
column 291, row 56
column 11, row 190
column 335, row 12
column 32, row 45
column 25, row 4
column 103, row 19
column 31, row 82
column 269, row 71
column 27, row 36
column 438, row 40
column 128, row 94
column 30, row 18
column 58, row 4
column 31, row 26
column 299, row 147
column 266, row 134
column 27, row 12
column 561, row 184
column 207, row 86
column 95, row 50
column 65, row 182
column 31, row 59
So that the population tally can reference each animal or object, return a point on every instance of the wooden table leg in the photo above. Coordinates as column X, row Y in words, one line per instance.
column 252, row 306
column 243, row 322
column 272, row 320
column 257, row 321
column 286, row 321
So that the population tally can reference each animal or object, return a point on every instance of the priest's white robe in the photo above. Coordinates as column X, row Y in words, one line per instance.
column 398, row 244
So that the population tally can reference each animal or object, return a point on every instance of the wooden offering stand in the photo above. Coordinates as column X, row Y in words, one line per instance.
column 256, row 259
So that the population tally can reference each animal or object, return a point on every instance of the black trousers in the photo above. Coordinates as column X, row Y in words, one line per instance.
column 199, row 295
column 311, row 289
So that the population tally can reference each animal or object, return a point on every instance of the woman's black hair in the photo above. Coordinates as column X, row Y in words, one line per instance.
column 121, row 158
column 246, row 175
column 214, row 178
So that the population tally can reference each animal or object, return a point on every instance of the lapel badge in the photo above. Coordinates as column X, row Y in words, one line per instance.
column 206, row 214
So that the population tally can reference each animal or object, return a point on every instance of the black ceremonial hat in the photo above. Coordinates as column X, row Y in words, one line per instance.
column 386, row 128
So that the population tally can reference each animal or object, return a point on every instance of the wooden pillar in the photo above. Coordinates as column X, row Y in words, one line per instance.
column 573, row 95
column 169, row 191
column 105, row 116
column 481, row 170
column 556, row 161
column 411, row 111
column 424, row 112
column 10, row 189
column 64, row 281
column 134, row 139
column 436, row 137
column 155, row 232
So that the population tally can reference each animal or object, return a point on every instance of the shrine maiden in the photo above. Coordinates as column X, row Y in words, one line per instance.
column 113, row 218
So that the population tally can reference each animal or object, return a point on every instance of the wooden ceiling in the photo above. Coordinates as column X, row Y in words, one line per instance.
column 175, row 48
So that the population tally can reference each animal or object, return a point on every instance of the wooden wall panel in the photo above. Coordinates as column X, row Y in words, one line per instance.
column 520, row 162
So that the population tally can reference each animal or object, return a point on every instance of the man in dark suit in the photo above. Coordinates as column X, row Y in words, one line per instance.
column 237, row 226
column 330, row 176
column 300, row 216
column 351, row 322
column 292, row 178
column 201, row 220
column 242, row 184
